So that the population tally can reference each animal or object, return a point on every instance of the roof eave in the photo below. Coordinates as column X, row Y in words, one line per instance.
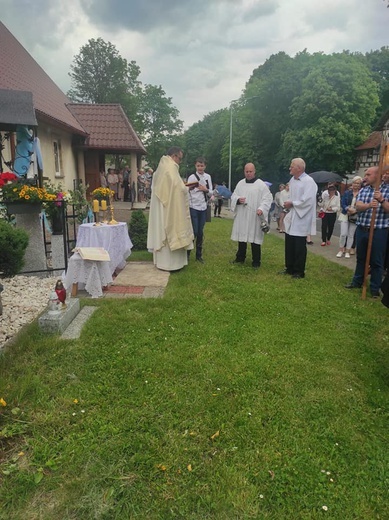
column 57, row 122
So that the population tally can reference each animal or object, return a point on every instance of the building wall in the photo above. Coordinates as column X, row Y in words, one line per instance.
column 60, row 161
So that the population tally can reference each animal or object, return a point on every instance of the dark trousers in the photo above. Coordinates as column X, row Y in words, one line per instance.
column 327, row 226
column 386, row 262
column 295, row 254
column 255, row 253
column 377, row 256
column 218, row 207
column 126, row 191
column 198, row 218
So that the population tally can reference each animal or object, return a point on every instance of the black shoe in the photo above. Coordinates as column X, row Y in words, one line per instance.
column 284, row 271
column 236, row 261
column 351, row 286
column 199, row 259
column 255, row 266
column 375, row 295
column 298, row 276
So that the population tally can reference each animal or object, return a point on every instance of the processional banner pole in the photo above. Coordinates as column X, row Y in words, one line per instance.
column 383, row 157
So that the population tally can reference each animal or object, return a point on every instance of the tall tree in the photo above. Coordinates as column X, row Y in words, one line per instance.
column 100, row 75
column 159, row 122
column 332, row 114
column 207, row 138
column 378, row 63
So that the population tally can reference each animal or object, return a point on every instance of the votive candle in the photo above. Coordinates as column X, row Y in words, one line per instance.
column 95, row 206
column 103, row 205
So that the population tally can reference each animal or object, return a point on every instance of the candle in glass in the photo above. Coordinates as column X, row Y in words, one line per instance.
column 104, row 205
column 95, row 206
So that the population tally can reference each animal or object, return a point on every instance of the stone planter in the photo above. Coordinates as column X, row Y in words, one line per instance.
column 21, row 208
column 57, row 223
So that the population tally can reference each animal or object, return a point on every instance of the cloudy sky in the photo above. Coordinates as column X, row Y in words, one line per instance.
column 202, row 52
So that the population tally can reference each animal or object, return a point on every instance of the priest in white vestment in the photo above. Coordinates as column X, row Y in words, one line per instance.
column 170, row 233
column 250, row 203
column 300, row 220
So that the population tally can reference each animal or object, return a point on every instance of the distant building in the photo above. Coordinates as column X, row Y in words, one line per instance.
column 368, row 153
column 74, row 138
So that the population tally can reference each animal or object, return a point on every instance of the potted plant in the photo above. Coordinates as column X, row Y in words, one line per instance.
column 55, row 206
column 20, row 197
column 80, row 205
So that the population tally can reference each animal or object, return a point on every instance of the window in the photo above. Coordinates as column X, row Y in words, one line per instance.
column 57, row 157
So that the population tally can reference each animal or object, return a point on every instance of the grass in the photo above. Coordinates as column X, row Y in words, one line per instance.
column 239, row 395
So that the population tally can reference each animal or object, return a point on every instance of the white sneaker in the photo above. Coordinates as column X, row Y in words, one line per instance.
column 340, row 254
column 347, row 255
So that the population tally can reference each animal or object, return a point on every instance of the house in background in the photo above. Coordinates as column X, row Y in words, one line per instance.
column 368, row 153
column 109, row 132
column 74, row 138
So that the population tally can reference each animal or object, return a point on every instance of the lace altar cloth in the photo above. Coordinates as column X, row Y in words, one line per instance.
column 88, row 274
column 113, row 238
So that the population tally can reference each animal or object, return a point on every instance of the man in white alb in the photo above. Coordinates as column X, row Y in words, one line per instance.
column 300, row 221
column 251, row 203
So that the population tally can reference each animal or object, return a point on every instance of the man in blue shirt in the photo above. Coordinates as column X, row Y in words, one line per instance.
column 368, row 198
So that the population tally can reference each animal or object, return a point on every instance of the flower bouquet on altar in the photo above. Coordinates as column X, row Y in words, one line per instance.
column 102, row 194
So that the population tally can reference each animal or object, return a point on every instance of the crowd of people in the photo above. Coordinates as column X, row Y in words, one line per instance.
column 126, row 190
column 179, row 211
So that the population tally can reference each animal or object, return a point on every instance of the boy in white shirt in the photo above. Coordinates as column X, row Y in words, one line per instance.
column 198, row 202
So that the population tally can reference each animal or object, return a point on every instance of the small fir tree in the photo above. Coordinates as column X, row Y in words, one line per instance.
column 13, row 245
column 138, row 230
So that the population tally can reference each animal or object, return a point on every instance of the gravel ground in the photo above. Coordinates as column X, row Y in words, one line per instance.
column 24, row 298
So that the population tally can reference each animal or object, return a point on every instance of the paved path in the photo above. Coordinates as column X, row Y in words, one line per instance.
column 329, row 252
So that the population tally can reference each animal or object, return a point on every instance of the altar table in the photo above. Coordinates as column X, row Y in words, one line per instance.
column 113, row 238
column 89, row 274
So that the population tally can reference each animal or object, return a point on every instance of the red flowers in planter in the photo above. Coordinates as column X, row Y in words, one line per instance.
column 7, row 177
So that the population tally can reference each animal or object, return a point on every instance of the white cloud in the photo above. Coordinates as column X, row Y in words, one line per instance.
column 201, row 52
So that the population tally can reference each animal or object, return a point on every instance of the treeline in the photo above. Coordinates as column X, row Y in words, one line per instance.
column 316, row 106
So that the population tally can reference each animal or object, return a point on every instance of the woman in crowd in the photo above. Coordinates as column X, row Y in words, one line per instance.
column 330, row 206
column 348, row 218
column 278, row 207
column 284, row 196
column 121, row 185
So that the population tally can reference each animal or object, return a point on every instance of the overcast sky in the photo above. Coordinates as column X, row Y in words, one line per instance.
column 202, row 52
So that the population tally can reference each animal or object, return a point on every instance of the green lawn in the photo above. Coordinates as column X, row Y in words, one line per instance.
column 239, row 395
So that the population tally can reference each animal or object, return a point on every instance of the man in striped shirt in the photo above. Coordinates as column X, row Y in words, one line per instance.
column 368, row 198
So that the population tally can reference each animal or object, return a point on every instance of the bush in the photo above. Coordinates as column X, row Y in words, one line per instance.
column 13, row 244
column 138, row 230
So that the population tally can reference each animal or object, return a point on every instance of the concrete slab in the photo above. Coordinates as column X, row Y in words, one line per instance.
column 54, row 323
column 141, row 274
column 73, row 331
column 140, row 205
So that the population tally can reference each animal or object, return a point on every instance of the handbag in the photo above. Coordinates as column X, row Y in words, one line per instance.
column 321, row 214
column 353, row 218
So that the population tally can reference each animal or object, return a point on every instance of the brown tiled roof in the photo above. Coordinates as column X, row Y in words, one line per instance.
column 19, row 71
column 108, row 127
column 373, row 141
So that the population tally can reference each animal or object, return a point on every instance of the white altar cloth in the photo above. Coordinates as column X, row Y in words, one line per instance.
column 113, row 238
column 89, row 274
